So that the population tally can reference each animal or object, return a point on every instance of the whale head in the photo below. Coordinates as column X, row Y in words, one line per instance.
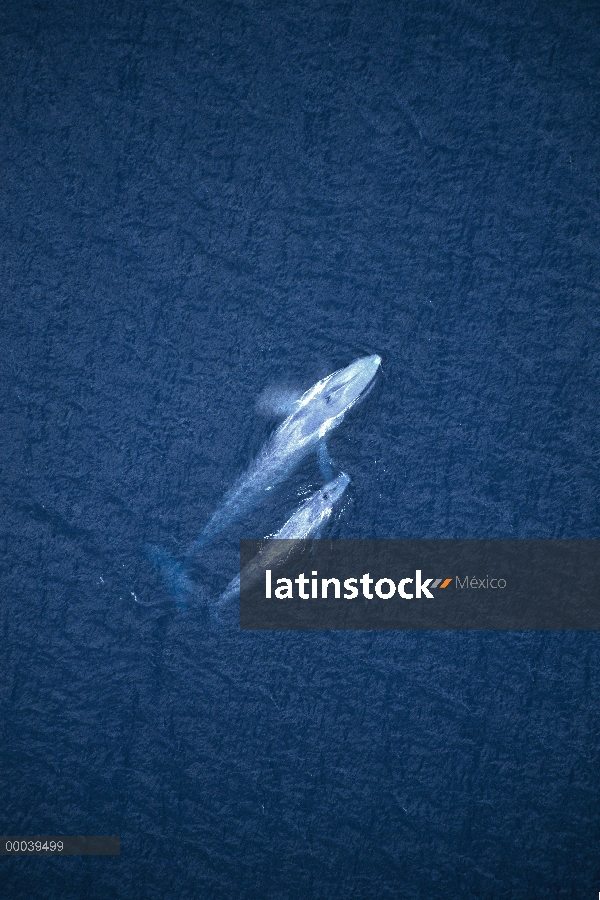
column 333, row 490
column 346, row 386
column 332, row 397
column 323, row 407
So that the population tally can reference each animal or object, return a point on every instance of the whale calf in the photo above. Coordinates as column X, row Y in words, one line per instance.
column 308, row 520
column 316, row 413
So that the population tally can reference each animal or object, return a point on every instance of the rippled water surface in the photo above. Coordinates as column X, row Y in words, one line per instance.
column 204, row 204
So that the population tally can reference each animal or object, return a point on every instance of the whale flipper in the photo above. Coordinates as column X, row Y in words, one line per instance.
column 277, row 402
column 174, row 574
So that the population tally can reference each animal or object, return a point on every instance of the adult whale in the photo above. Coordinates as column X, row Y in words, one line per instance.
column 315, row 414
column 307, row 522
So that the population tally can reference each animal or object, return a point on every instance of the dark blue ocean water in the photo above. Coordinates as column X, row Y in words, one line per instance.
column 202, row 200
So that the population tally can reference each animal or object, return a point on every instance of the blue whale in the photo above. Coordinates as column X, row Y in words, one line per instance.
column 316, row 413
column 307, row 522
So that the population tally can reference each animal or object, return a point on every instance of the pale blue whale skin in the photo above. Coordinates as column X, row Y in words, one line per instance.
column 308, row 520
column 316, row 414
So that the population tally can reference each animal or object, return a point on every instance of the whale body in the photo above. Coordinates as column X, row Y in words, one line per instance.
column 316, row 414
column 308, row 520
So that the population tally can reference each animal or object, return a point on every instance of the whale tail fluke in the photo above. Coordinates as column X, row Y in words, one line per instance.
column 174, row 575
column 222, row 610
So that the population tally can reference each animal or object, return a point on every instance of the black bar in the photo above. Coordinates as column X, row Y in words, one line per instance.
column 480, row 585
column 70, row 845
